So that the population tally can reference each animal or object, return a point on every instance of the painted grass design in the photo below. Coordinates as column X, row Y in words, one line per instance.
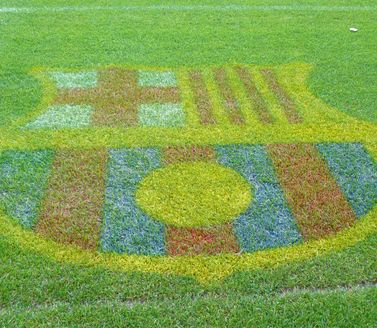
column 193, row 194
column 157, row 79
column 102, row 199
column 111, row 99
column 268, row 222
column 282, row 187
column 120, row 94
column 72, row 208
column 284, row 99
column 258, row 103
column 195, row 241
column 219, row 96
column 71, row 80
column 23, row 179
column 229, row 99
column 124, row 206
column 188, row 154
column 63, row 116
column 356, row 173
column 317, row 202
column 202, row 100
column 161, row 115
column 177, row 139
column 127, row 229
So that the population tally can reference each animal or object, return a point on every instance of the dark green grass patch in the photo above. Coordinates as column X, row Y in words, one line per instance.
column 20, row 94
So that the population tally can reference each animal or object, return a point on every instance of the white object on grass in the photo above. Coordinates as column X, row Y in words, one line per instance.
column 353, row 29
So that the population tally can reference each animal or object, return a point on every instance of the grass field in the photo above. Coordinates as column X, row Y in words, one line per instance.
column 188, row 163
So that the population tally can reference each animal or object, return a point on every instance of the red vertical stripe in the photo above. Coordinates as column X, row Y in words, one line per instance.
column 72, row 209
column 316, row 200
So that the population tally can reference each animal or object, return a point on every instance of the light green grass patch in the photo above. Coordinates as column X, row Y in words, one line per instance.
column 165, row 115
column 63, row 116
column 194, row 194
column 157, row 79
column 82, row 80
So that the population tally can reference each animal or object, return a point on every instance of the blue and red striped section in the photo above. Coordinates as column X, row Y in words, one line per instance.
column 355, row 171
column 268, row 222
column 300, row 192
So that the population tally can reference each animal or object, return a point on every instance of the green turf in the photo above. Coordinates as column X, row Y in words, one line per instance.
column 36, row 291
column 348, row 308
column 344, row 62
column 32, row 286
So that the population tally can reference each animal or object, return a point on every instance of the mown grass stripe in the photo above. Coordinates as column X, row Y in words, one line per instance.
column 72, row 207
column 318, row 204
column 229, row 7
column 203, row 103
column 285, row 100
column 259, row 105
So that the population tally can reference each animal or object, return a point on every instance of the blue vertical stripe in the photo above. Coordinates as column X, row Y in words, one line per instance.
column 126, row 229
column 23, row 179
column 268, row 222
column 355, row 172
